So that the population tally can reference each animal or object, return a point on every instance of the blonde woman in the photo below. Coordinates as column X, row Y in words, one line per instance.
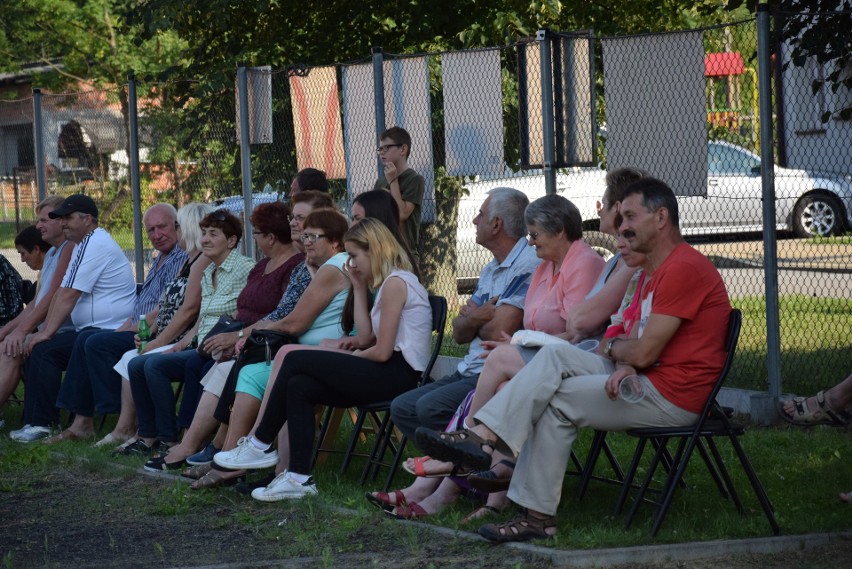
column 397, row 329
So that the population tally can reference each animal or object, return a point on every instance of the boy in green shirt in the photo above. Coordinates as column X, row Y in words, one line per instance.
column 406, row 185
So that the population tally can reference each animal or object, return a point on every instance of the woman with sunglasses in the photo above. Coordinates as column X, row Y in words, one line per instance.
column 397, row 330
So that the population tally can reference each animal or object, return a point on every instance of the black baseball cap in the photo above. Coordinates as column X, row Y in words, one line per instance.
column 77, row 202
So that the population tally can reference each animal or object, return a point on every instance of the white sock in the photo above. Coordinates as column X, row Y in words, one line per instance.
column 259, row 445
column 299, row 478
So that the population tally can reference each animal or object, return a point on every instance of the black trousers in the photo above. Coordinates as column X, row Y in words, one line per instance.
column 309, row 378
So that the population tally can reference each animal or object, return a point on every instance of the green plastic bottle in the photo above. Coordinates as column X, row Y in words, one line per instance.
column 144, row 332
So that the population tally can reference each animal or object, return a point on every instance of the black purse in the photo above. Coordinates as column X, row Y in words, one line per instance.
column 226, row 323
column 262, row 345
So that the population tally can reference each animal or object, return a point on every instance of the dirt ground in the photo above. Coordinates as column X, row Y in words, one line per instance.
column 75, row 518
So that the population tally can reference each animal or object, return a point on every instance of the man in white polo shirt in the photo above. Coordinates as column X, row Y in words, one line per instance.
column 98, row 291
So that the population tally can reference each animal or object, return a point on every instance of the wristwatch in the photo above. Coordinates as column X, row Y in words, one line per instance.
column 608, row 347
column 240, row 333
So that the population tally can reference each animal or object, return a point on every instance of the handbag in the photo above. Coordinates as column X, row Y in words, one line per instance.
column 226, row 323
column 262, row 345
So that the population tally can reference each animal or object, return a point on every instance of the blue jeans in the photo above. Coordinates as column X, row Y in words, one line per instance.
column 91, row 385
column 43, row 376
column 432, row 405
column 151, row 377
column 195, row 369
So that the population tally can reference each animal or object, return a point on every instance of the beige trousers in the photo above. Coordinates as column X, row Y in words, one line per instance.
column 538, row 412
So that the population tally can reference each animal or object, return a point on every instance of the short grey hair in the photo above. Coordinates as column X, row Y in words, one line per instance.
column 553, row 213
column 167, row 207
column 509, row 204
column 189, row 218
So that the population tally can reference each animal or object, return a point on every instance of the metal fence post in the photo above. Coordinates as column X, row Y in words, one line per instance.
column 39, row 145
column 763, row 406
column 135, row 190
column 245, row 156
column 379, row 99
column 543, row 38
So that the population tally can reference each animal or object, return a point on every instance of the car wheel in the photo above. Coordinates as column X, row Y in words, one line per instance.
column 605, row 245
column 818, row 215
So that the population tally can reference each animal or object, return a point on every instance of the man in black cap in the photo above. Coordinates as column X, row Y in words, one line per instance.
column 98, row 291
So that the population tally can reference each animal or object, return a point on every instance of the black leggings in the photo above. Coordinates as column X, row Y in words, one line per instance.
column 309, row 378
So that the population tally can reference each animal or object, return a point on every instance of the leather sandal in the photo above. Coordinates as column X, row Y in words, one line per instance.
column 408, row 511
column 419, row 469
column 489, row 481
column 822, row 414
column 216, row 477
column 465, row 448
column 382, row 500
column 523, row 527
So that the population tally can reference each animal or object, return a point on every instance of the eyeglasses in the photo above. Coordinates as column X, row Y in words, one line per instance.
column 312, row 237
column 385, row 147
column 533, row 235
column 292, row 218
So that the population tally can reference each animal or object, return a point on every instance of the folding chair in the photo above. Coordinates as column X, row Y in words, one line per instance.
column 379, row 413
column 713, row 422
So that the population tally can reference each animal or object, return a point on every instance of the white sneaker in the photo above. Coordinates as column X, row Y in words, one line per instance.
column 283, row 488
column 246, row 455
column 31, row 434
column 15, row 434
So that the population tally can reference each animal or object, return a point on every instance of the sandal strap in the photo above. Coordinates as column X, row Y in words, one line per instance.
column 839, row 417
column 457, row 437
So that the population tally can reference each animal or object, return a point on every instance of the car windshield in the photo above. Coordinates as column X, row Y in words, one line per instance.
column 729, row 160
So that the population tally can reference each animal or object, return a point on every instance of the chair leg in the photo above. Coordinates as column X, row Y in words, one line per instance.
column 591, row 460
column 681, row 459
column 649, row 476
column 631, row 474
column 378, row 449
column 353, row 440
column 762, row 497
column 324, row 424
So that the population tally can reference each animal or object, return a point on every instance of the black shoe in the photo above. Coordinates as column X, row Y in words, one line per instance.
column 137, row 448
column 245, row 487
column 159, row 464
column 161, row 448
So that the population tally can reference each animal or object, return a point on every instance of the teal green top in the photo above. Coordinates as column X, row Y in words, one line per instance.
column 327, row 323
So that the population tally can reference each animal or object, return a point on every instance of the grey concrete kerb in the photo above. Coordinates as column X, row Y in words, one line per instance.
column 645, row 554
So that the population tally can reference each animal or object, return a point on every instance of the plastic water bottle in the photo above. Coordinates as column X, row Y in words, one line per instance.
column 631, row 389
column 144, row 332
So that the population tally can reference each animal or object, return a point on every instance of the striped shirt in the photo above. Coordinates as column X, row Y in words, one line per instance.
column 163, row 272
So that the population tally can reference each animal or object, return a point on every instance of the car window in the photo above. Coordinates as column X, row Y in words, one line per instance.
column 727, row 160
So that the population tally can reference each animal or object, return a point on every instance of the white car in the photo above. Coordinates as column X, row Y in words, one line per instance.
column 807, row 203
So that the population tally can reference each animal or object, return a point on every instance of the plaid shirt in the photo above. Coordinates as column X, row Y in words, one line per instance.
column 231, row 279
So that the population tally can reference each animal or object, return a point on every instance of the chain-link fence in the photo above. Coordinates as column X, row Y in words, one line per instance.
column 683, row 106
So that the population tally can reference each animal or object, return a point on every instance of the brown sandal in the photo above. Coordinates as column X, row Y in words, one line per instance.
column 460, row 447
column 522, row 527
column 216, row 477
column 196, row 472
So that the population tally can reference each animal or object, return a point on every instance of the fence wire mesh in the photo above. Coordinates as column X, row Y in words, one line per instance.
column 681, row 105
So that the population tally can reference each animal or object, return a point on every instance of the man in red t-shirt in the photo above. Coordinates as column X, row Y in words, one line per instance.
column 677, row 349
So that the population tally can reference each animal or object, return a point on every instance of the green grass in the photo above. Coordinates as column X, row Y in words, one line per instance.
column 844, row 239
column 814, row 343
column 802, row 471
